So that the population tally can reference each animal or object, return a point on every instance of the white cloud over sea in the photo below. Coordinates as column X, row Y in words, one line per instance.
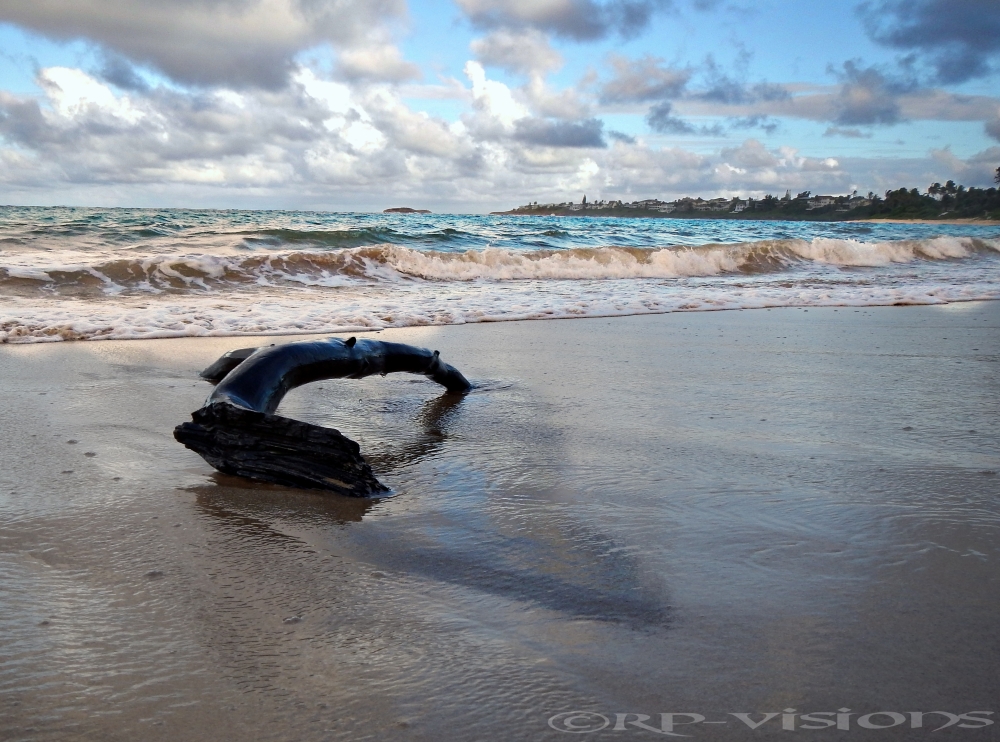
column 346, row 105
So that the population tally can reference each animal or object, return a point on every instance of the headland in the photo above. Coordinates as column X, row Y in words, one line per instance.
column 949, row 204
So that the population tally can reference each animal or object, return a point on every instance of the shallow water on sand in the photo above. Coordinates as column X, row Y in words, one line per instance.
column 740, row 512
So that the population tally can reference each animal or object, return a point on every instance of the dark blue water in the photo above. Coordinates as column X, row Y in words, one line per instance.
column 50, row 227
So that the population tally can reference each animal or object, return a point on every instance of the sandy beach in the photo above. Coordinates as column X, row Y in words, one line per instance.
column 710, row 514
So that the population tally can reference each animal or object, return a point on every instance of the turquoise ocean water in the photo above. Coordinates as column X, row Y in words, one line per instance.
column 89, row 273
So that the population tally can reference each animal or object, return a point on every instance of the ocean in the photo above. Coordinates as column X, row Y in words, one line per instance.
column 93, row 273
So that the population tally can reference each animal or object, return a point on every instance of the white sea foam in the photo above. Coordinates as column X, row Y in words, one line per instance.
column 871, row 254
column 377, row 307
column 708, row 260
column 109, row 273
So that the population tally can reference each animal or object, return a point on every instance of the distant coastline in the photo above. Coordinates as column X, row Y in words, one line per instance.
column 647, row 214
column 971, row 220
column 941, row 204
column 405, row 210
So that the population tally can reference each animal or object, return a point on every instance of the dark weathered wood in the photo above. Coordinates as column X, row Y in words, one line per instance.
column 226, row 363
column 238, row 433
column 277, row 449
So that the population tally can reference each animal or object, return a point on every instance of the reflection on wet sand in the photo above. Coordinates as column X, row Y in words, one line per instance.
column 251, row 504
column 434, row 418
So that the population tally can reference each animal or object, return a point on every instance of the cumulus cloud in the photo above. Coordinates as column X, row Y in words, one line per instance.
column 723, row 88
column 575, row 19
column 524, row 51
column 649, row 80
column 238, row 43
column 324, row 142
column 547, row 133
column 661, row 120
column 749, row 169
column 857, row 103
column 757, row 121
column 975, row 170
column 493, row 97
column 120, row 73
column 642, row 80
column 562, row 104
column 620, row 136
column 314, row 131
column 751, row 154
column 867, row 96
column 73, row 92
column 504, row 116
column 376, row 63
column 960, row 38
column 416, row 131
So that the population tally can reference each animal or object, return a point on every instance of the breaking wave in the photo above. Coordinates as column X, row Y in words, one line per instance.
column 80, row 274
column 71, row 273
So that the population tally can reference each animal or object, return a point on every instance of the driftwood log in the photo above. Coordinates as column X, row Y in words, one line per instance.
column 238, row 433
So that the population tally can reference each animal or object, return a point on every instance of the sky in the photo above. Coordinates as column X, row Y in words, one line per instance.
column 469, row 106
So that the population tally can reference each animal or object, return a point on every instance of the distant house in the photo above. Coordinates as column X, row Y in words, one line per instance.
column 818, row 202
column 739, row 205
column 716, row 204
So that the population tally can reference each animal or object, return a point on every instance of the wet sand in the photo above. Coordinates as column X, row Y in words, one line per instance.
column 709, row 513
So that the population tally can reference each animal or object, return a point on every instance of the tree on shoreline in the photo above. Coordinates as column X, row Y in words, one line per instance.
column 951, row 200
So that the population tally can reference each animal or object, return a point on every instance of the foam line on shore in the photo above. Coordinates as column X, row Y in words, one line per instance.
column 32, row 321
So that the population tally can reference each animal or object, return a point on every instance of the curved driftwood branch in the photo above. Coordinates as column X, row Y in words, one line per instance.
column 237, row 431
column 226, row 363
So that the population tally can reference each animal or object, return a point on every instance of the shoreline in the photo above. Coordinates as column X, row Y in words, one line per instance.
column 723, row 216
column 298, row 334
column 955, row 222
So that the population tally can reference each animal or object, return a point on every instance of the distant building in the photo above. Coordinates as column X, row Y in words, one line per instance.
column 734, row 205
column 700, row 204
